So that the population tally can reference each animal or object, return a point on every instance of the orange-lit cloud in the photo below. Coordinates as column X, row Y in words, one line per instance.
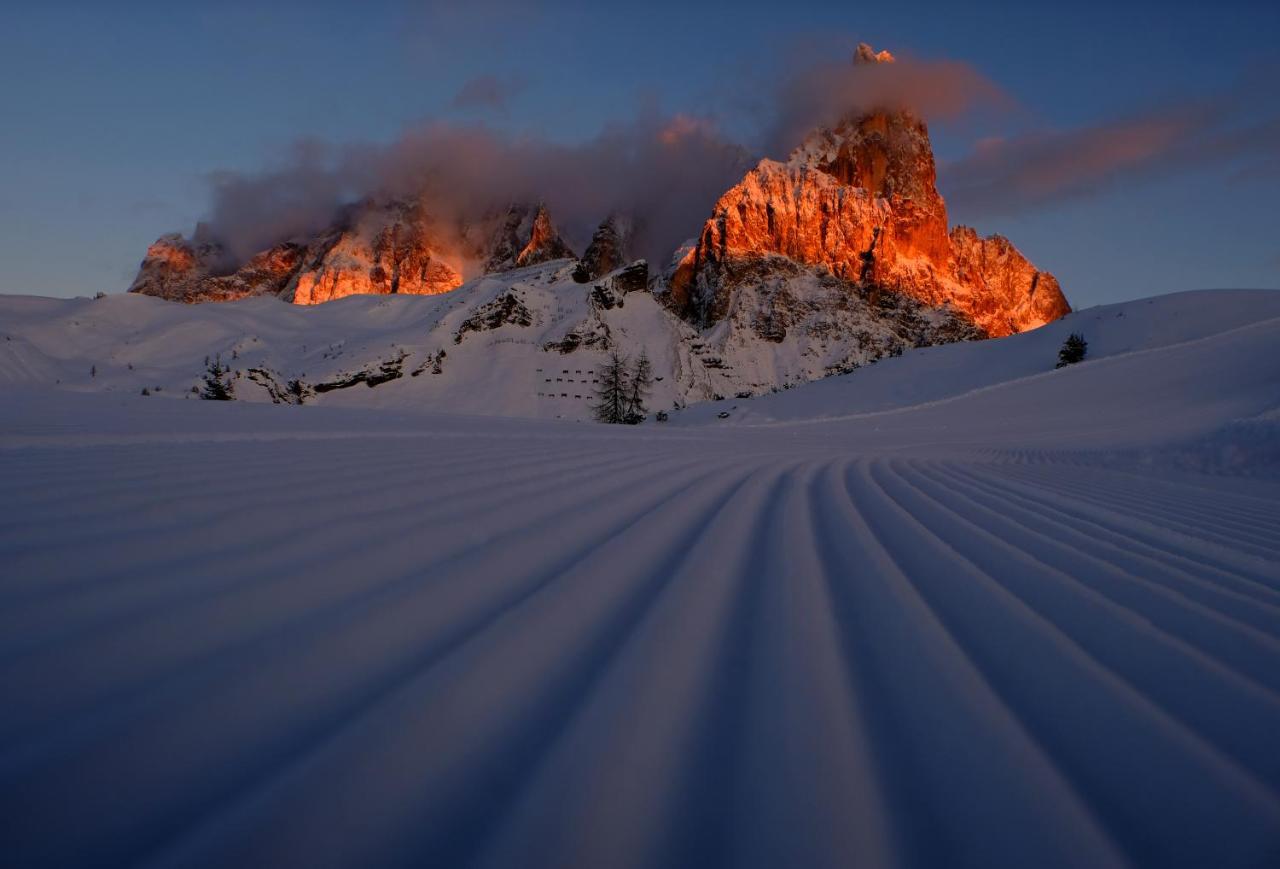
column 1236, row 133
column 825, row 92
column 665, row 172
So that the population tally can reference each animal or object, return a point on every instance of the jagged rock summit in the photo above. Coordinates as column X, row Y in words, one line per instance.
column 610, row 249
column 525, row 237
column 860, row 201
column 374, row 247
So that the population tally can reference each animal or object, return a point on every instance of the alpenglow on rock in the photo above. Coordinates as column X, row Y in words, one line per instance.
column 855, row 209
column 372, row 248
column 860, row 201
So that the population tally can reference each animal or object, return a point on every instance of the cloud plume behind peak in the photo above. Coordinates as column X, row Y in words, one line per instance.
column 664, row 171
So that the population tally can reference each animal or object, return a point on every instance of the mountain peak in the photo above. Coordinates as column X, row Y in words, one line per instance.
column 525, row 236
column 866, row 54
column 860, row 201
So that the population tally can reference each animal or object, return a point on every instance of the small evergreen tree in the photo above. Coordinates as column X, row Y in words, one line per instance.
column 638, row 386
column 217, row 382
column 1073, row 350
column 612, row 393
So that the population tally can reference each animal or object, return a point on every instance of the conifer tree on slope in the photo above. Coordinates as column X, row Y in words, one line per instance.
column 217, row 381
column 638, row 386
column 612, row 392
column 1073, row 350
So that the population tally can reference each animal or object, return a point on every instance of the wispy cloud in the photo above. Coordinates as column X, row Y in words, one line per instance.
column 1236, row 133
column 822, row 93
column 665, row 171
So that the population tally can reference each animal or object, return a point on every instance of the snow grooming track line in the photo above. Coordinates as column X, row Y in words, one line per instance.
column 165, row 738
column 699, row 822
column 573, row 770
column 620, row 775
column 1220, row 493
column 1165, row 794
column 211, row 478
column 256, row 614
column 406, row 515
column 1245, row 599
column 1128, row 585
column 1226, row 582
column 605, row 773
column 480, row 737
column 1208, row 524
column 957, row 768
column 1226, row 705
column 374, row 489
column 184, row 620
column 294, row 459
column 796, row 783
column 1137, row 525
column 808, row 764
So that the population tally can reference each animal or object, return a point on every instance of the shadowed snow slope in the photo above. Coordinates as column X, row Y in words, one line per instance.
column 956, row 609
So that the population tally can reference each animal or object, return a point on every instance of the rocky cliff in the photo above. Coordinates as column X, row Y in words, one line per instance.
column 525, row 236
column 610, row 249
column 860, row 202
column 380, row 248
column 377, row 247
column 196, row 270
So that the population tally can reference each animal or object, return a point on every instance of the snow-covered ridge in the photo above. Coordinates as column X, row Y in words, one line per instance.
column 503, row 347
column 945, row 372
column 522, row 343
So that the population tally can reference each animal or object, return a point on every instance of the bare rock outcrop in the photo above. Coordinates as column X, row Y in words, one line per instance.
column 374, row 247
column 609, row 250
column 860, row 201
column 195, row 270
column 525, row 237
column 383, row 249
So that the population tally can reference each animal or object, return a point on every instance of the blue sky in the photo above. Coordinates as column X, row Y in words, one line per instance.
column 114, row 115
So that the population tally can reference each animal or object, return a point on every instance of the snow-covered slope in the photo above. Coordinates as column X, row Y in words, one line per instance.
column 943, row 372
column 991, row 620
column 526, row 343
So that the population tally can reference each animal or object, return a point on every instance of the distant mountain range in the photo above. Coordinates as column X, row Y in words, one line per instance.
column 835, row 258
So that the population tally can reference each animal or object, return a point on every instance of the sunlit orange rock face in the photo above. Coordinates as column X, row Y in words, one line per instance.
column 386, row 249
column 861, row 201
column 1007, row 293
column 186, row 270
column 376, row 247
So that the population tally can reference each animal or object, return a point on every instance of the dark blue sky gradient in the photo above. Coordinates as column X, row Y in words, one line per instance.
column 113, row 115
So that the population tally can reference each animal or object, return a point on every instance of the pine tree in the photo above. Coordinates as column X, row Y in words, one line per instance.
column 1073, row 350
column 217, row 384
column 638, row 386
column 612, row 392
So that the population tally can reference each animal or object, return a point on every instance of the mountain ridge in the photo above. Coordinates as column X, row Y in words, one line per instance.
column 822, row 263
